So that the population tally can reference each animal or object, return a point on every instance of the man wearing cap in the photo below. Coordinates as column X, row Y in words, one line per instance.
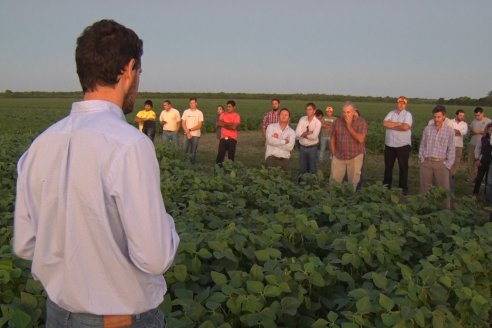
column 324, row 140
column 436, row 152
column 398, row 144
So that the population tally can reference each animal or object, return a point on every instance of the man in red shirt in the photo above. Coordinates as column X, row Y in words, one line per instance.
column 228, row 121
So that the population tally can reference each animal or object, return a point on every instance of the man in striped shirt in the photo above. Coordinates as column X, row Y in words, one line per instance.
column 436, row 152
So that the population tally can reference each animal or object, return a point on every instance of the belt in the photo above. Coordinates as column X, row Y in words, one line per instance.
column 170, row 131
column 119, row 321
column 315, row 145
column 436, row 159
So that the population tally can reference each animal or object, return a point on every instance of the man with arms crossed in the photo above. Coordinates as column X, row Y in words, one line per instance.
column 228, row 123
column 460, row 129
column 436, row 152
column 398, row 144
column 280, row 140
column 271, row 116
column 307, row 131
column 92, row 221
column 347, row 140
column 192, row 121
column 170, row 120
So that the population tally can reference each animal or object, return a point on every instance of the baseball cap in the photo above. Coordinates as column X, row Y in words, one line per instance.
column 402, row 99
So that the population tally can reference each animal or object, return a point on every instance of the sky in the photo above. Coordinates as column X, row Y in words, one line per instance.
column 419, row 48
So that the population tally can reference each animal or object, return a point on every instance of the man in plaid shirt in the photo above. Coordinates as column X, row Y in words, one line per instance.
column 271, row 116
column 436, row 152
column 347, row 143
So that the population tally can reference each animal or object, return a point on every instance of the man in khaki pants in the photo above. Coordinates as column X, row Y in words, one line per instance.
column 347, row 139
column 436, row 152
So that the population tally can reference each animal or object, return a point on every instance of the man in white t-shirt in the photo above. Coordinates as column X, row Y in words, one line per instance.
column 398, row 143
column 192, row 121
column 477, row 128
column 171, row 123
column 460, row 129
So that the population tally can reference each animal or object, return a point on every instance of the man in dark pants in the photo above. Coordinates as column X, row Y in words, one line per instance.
column 228, row 122
column 398, row 144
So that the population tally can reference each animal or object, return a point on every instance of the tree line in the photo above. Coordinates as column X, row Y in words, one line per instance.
column 463, row 101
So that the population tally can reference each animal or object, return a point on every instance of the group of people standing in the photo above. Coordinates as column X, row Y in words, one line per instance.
column 341, row 140
column 345, row 138
column 191, row 122
column 440, row 149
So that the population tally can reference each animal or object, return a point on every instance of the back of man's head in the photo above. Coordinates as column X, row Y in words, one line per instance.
column 103, row 50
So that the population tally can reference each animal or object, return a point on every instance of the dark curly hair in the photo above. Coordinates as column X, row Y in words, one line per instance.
column 103, row 50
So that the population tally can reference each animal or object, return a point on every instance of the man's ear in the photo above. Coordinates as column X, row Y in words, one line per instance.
column 129, row 73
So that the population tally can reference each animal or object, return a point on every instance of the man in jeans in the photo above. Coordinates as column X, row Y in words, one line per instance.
column 348, row 137
column 398, row 144
column 170, row 120
column 89, row 211
column 307, row 131
column 192, row 121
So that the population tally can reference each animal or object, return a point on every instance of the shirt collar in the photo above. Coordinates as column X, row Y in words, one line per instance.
column 87, row 106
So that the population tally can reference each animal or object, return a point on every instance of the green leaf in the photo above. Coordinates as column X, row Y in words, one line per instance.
column 204, row 253
column 364, row 305
column 34, row 287
column 379, row 280
column 20, row 319
column 28, row 300
column 262, row 255
column 180, row 272
column 332, row 316
column 254, row 287
column 316, row 279
column 446, row 281
column 371, row 232
column 438, row 319
column 478, row 304
column 218, row 278
column 419, row 318
column 290, row 305
column 272, row 291
column 386, row 302
column 320, row 323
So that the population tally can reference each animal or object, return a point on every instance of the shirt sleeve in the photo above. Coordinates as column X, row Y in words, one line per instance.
column 463, row 129
column 423, row 143
column 200, row 117
column 388, row 116
column 150, row 230
column 24, row 231
column 409, row 119
column 299, row 128
column 317, row 128
column 451, row 153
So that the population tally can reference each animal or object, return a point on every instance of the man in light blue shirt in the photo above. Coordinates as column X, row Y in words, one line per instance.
column 89, row 211
column 398, row 144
